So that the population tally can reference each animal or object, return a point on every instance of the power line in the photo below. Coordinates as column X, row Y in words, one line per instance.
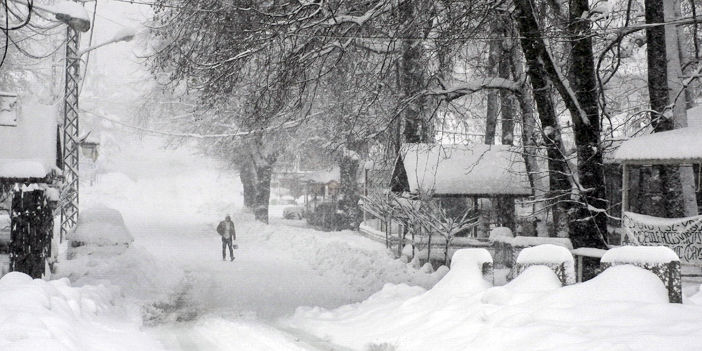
column 30, row 6
column 7, row 34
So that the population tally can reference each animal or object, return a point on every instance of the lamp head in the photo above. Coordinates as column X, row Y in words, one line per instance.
column 72, row 14
column 124, row 34
column 78, row 24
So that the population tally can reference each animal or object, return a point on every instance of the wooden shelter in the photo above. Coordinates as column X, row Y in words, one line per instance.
column 676, row 147
column 460, row 175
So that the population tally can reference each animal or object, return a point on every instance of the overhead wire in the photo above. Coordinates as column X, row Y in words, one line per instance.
column 25, row 23
column 6, row 32
column 90, row 42
column 30, row 6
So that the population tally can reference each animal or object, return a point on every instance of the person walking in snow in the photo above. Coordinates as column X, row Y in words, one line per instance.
column 228, row 233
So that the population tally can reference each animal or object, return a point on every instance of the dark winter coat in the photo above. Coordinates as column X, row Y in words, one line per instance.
column 222, row 230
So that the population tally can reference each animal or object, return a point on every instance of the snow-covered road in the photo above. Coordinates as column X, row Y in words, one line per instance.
column 172, row 201
column 234, row 303
column 262, row 281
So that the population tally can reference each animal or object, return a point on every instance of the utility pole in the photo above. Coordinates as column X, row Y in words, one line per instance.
column 70, row 152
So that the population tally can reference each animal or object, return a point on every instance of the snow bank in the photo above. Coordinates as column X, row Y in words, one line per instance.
column 624, row 308
column 532, row 283
column 365, row 265
column 40, row 315
column 464, row 280
column 135, row 273
column 623, row 283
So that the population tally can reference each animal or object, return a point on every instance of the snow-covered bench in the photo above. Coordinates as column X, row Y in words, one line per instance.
column 660, row 260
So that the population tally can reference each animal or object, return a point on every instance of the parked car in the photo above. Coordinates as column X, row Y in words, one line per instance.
column 99, row 231
column 294, row 212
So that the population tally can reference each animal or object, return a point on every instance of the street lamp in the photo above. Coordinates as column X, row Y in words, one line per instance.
column 68, row 12
column 71, row 142
column 124, row 34
column 78, row 20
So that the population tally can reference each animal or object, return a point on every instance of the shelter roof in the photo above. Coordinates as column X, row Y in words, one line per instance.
column 29, row 149
column 460, row 170
column 677, row 146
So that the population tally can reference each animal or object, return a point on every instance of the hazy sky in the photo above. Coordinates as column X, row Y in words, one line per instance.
column 118, row 62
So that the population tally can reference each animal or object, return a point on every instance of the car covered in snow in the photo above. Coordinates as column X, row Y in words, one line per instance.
column 99, row 231
column 294, row 212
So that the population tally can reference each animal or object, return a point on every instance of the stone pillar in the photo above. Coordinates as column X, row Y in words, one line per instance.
column 519, row 243
column 660, row 260
column 466, row 259
column 503, row 254
column 558, row 258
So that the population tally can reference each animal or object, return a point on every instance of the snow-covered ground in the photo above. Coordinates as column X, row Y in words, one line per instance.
column 292, row 288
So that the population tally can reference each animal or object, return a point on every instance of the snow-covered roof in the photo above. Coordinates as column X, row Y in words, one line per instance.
column 674, row 146
column 29, row 149
column 476, row 170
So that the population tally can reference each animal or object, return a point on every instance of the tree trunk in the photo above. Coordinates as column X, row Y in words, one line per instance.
column 248, row 181
column 416, row 128
column 262, row 171
column 505, row 205
column 506, row 97
column 589, row 222
column 532, row 46
column 684, row 174
column 493, row 97
column 348, row 187
column 263, row 191
column 676, row 184
column 528, row 123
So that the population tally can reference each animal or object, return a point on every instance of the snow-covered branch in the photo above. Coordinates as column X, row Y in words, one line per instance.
column 458, row 90
column 359, row 20
column 236, row 57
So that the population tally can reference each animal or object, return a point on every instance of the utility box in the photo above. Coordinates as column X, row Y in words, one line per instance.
column 8, row 109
